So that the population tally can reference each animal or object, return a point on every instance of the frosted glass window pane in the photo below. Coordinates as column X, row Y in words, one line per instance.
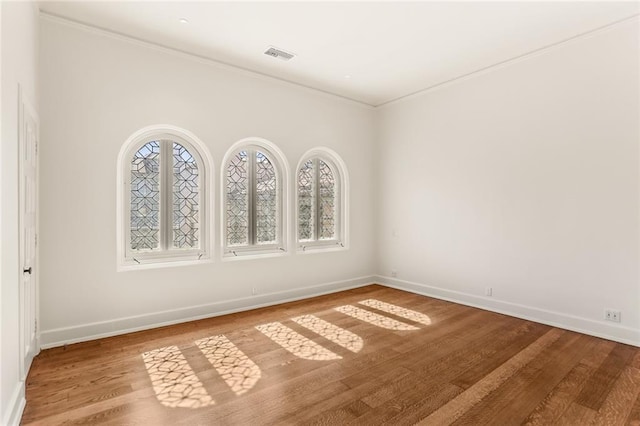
column 238, row 200
column 186, row 199
column 266, row 200
column 306, row 201
column 145, row 197
column 327, row 202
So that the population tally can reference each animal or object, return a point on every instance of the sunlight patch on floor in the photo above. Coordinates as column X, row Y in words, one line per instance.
column 397, row 310
column 173, row 380
column 176, row 384
column 373, row 318
column 340, row 336
column 296, row 343
column 235, row 368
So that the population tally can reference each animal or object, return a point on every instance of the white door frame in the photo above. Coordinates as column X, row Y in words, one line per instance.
column 26, row 111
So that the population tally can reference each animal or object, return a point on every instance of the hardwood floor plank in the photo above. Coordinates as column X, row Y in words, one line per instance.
column 600, row 384
column 302, row 383
column 635, row 362
column 497, row 358
column 511, row 402
column 633, row 419
column 357, row 408
column 427, row 404
column 429, row 388
column 462, row 352
column 421, row 346
column 577, row 415
column 345, row 401
column 558, row 401
column 462, row 403
column 276, row 409
column 619, row 403
column 74, row 414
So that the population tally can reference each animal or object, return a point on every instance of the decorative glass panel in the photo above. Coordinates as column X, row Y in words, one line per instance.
column 266, row 200
column 145, row 197
column 306, row 201
column 186, row 198
column 238, row 200
column 327, row 202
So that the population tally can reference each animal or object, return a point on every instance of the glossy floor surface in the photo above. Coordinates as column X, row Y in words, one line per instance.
column 368, row 356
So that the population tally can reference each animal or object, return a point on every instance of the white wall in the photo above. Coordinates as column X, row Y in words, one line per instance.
column 96, row 91
column 524, row 179
column 19, row 35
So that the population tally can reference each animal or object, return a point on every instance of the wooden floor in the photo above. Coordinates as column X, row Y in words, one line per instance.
column 452, row 364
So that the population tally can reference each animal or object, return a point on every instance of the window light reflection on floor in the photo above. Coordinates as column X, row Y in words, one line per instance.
column 176, row 384
column 373, row 318
column 296, row 343
column 397, row 310
column 340, row 336
column 235, row 368
column 173, row 380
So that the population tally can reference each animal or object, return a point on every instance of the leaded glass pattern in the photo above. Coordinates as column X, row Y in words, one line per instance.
column 238, row 200
column 326, row 202
column 186, row 198
column 317, row 203
column 266, row 200
column 306, row 201
column 145, row 197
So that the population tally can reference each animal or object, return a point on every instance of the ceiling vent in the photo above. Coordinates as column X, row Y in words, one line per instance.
column 277, row 53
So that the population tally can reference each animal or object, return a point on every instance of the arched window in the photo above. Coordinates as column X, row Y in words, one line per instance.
column 254, row 191
column 163, row 212
column 321, row 200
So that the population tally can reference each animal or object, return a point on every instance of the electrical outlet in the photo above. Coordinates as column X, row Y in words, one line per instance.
column 611, row 315
column 394, row 273
column 254, row 291
column 488, row 291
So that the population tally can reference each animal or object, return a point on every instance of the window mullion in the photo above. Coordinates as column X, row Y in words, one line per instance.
column 166, row 194
column 316, row 203
column 337, row 205
column 251, row 155
column 279, row 208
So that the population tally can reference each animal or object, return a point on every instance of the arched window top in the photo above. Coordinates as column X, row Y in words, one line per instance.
column 330, row 157
column 254, row 188
column 258, row 143
column 164, row 211
column 322, row 201
column 165, row 131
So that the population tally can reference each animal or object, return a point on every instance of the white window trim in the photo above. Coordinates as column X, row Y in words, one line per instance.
column 150, row 260
column 338, row 166
column 282, row 167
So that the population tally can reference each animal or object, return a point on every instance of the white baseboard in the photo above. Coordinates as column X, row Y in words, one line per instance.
column 604, row 330
column 15, row 407
column 97, row 330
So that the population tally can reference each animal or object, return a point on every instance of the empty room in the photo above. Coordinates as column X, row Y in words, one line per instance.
column 333, row 213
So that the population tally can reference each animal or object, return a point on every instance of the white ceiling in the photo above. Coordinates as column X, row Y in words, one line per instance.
column 389, row 49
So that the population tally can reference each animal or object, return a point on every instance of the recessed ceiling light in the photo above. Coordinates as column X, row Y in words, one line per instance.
column 347, row 76
column 183, row 20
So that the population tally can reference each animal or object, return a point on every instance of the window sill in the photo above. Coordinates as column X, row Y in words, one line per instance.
column 130, row 265
column 320, row 248
column 253, row 254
